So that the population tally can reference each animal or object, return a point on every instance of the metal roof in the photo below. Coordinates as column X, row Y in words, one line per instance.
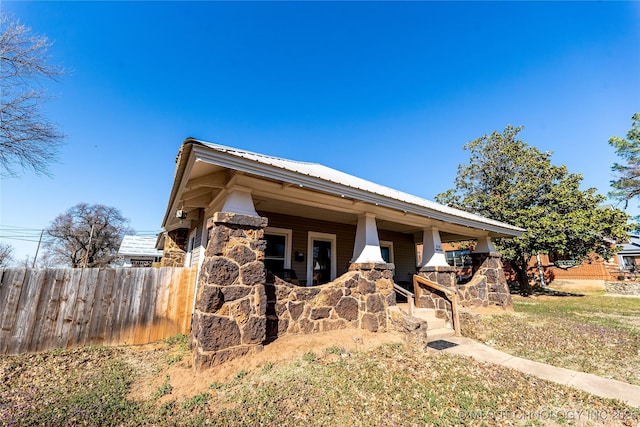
column 323, row 173
column 139, row 246
column 632, row 247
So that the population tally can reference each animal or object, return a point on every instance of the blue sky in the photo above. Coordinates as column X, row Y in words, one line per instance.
column 389, row 92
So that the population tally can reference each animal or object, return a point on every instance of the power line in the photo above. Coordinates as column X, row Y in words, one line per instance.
column 34, row 235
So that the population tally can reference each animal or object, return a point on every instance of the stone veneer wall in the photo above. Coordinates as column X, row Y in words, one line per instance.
column 238, row 309
column 487, row 287
column 427, row 297
column 623, row 288
column 357, row 299
column 175, row 245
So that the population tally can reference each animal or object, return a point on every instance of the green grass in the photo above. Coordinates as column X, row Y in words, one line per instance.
column 181, row 341
column 335, row 350
column 570, row 307
column 310, row 357
column 164, row 389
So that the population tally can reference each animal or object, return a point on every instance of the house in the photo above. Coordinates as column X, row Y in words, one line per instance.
column 567, row 274
column 139, row 251
column 285, row 246
column 629, row 256
column 589, row 274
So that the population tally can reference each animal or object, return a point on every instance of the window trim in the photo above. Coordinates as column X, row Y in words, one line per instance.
column 327, row 237
column 191, row 245
column 388, row 244
column 287, row 233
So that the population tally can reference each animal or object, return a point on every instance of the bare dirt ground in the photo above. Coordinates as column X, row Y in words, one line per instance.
column 186, row 382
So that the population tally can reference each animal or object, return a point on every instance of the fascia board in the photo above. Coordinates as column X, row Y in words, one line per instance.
column 206, row 154
column 183, row 170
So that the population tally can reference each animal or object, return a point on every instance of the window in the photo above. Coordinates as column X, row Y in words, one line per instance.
column 386, row 248
column 141, row 263
column 459, row 258
column 190, row 259
column 563, row 261
column 277, row 255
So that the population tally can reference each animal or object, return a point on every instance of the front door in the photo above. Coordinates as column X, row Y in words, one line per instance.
column 321, row 263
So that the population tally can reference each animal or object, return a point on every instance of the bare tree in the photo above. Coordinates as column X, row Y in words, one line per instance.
column 86, row 235
column 6, row 255
column 28, row 140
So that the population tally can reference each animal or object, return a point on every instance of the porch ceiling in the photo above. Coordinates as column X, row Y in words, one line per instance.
column 326, row 214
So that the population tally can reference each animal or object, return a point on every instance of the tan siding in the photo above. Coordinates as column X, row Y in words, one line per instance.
column 403, row 244
column 404, row 254
column 345, row 237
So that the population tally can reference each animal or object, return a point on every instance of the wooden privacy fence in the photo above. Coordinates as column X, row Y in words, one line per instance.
column 42, row 309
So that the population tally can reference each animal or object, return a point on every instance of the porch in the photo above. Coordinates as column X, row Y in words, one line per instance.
column 290, row 247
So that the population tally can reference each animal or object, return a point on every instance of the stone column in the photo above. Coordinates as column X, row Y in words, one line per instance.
column 489, row 266
column 375, row 294
column 230, row 316
column 175, row 247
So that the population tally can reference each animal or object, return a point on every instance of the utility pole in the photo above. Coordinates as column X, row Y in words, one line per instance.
column 86, row 256
column 37, row 249
column 540, row 271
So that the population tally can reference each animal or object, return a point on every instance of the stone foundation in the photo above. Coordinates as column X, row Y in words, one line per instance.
column 623, row 288
column 415, row 330
column 493, row 289
column 427, row 297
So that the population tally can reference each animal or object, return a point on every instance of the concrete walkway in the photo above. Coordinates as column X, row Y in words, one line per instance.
column 612, row 389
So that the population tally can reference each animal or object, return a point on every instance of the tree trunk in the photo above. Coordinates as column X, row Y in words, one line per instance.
column 521, row 271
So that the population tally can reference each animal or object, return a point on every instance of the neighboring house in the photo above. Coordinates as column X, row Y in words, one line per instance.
column 593, row 272
column 559, row 271
column 139, row 251
column 629, row 255
column 344, row 240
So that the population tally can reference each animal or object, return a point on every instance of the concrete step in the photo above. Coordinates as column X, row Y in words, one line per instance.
column 427, row 314
column 439, row 334
column 430, row 316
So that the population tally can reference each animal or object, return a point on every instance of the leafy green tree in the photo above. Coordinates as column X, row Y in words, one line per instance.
column 508, row 180
column 627, row 186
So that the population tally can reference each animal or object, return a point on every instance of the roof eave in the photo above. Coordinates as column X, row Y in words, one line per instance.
column 183, row 158
column 207, row 154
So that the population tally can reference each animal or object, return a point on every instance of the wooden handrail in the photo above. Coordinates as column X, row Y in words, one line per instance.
column 410, row 296
column 453, row 296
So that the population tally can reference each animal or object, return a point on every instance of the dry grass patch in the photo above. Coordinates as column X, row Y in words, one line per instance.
column 594, row 334
column 385, row 385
